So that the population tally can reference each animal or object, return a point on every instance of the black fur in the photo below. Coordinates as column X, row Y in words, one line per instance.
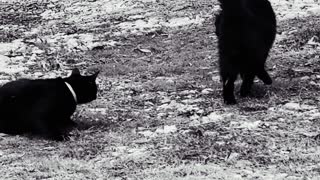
column 246, row 30
column 43, row 107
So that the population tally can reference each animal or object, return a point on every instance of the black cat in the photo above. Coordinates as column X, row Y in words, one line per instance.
column 246, row 30
column 43, row 107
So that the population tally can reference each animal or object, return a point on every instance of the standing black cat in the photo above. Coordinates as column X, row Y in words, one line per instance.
column 246, row 30
column 43, row 107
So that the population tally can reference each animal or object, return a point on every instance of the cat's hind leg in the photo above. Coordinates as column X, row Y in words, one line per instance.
column 246, row 83
column 228, row 88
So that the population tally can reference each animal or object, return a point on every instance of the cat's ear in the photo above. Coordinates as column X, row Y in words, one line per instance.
column 94, row 76
column 75, row 72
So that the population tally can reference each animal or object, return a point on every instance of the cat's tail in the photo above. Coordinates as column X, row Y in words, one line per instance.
column 264, row 76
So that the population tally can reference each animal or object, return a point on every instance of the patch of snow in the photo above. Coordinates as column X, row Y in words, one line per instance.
column 296, row 106
column 77, row 41
column 289, row 10
column 195, row 122
column 192, row 101
column 183, row 21
column 7, row 47
column 162, row 130
column 38, row 51
column 167, row 129
column 140, row 24
column 148, row 133
column 216, row 78
column 233, row 157
column 207, row 91
column 310, row 134
column 212, row 117
column 9, row 69
column 179, row 107
column 246, row 125
column 153, row 23
column 292, row 106
column 243, row 163
column 3, row 82
column 165, row 99
column 3, row 61
column 212, row 134
column 72, row 43
column 137, row 152
column 314, row 11
column 315, row 116
column 187, row 92
column 118, row 151
column 51, row 15
column 102, row 111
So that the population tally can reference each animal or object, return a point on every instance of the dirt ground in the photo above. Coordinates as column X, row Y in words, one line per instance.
column 159, row 114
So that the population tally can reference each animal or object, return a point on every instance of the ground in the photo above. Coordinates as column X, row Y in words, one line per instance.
column 159, row 114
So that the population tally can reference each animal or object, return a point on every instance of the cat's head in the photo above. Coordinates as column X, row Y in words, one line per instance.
column 85, row 87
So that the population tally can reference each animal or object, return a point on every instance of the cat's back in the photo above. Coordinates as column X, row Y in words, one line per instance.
column 28, row 86
column 246, row 25
column 12, row 89
column 26, row 91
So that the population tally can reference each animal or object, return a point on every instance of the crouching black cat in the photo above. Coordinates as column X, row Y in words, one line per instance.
column 246, row 31
column 43, row 107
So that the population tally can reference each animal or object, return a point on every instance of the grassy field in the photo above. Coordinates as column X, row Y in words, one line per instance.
column 159, row 114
